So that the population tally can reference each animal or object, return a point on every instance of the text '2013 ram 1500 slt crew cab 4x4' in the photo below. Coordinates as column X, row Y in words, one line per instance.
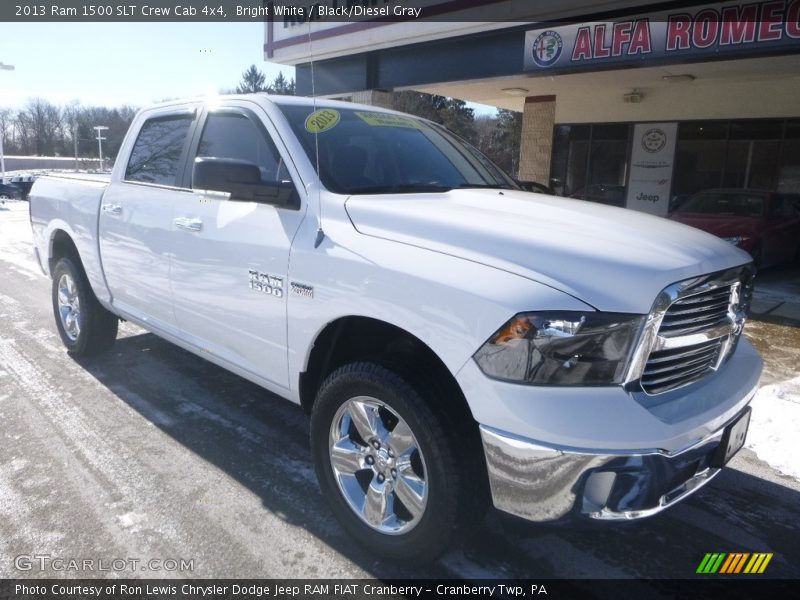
column 453, row 337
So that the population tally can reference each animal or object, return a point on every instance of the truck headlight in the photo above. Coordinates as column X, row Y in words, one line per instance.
column 561, row 348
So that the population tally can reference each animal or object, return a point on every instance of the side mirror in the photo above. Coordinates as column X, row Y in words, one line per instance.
column 241, row 179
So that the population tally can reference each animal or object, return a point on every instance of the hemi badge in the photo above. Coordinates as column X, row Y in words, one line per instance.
column 301, row 289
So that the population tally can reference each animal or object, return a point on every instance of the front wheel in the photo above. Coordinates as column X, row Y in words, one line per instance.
column 385, row 462
column 84, row 325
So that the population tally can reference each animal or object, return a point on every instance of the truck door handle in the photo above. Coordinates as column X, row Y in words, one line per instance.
column 112, row 209
column 188, row 224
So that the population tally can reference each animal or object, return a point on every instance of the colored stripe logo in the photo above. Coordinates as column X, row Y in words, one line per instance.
column 734, row 563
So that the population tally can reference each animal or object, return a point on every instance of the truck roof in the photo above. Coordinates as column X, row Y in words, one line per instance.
column 277, row 99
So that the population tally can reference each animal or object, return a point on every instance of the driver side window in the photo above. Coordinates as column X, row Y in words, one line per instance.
column 232, row 135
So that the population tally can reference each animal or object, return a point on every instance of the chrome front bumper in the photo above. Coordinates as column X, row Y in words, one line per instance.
column 542, row 483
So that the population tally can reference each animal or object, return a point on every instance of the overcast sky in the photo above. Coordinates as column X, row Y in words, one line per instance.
column 112, row 64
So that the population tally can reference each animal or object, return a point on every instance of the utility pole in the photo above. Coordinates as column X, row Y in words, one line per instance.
column 3, row 67
column 75, row 140
column 2, row 160
column 100, row 129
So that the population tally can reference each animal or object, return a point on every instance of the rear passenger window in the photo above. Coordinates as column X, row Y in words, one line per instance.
column 156, row 154
column 235, row 136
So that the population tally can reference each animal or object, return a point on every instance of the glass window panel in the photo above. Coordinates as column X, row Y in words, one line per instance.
column 703, row 130
column 792, row 130
column 761, row 129
column 570, row 158
column 789, row 168
column 698, row 165
column 156, row 154
column 235, row 136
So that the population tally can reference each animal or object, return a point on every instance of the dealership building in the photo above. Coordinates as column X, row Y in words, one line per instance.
column 629, row 103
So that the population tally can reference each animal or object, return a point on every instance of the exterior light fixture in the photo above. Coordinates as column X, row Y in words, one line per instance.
column 633, row 97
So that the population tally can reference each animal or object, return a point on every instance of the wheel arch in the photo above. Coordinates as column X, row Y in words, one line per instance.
column 61, row 245
column 359, row 338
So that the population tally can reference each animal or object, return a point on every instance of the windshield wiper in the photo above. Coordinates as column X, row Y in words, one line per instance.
column 403, row 188
column 486, row 186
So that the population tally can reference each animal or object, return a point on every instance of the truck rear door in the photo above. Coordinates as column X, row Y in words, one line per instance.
column 136, row 216
column 230, row 257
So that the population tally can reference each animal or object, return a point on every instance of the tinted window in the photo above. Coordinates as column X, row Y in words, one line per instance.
column 156, row 154
column 235, row 136
column 785, row 205
column 363, row 152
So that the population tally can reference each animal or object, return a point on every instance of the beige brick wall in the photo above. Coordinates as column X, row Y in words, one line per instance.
column 536, row 148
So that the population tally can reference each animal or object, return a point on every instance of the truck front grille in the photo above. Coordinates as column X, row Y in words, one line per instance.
column 698, row 330
column 668, row 369
column 697, row 312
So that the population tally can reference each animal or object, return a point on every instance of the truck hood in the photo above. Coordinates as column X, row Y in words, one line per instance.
column 611, row 258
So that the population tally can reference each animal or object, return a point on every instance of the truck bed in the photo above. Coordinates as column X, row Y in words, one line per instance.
column 70, row 202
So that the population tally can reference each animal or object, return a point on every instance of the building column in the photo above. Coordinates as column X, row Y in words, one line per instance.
column 536, row 142
column 379, row 98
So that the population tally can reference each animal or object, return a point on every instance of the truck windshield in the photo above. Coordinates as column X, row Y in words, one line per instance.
column 371, row 152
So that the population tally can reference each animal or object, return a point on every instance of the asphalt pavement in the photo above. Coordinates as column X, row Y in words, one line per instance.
column 151, row 453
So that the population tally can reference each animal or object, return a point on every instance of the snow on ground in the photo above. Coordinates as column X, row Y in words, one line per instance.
column 775, row 426
column 16, row 238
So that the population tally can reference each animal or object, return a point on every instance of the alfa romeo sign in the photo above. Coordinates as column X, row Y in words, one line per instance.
column 732, row 28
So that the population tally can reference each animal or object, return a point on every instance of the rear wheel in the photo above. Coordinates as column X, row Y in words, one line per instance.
column 386, row 462
column 84, row 325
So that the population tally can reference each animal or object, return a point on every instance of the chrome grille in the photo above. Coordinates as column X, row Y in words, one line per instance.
column 693, row 329
column 668, row 369
column 697, row 312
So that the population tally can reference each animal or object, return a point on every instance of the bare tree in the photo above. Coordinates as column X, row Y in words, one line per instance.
column 7, row 129
column 39, row 126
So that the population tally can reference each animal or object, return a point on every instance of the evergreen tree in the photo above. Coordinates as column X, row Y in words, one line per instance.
column 252, row 81
column 281, row 86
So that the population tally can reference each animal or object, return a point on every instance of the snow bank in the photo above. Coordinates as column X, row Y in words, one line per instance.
column 775, row 426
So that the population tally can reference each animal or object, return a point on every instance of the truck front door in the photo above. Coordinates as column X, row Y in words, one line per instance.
column 230, row 257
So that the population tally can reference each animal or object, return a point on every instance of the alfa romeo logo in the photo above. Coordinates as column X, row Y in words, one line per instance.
column 547, row 48
column 654, row 140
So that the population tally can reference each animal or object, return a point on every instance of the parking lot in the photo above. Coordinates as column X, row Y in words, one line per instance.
column 153, row 453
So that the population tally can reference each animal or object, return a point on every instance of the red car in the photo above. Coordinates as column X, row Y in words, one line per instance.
column 765, row 224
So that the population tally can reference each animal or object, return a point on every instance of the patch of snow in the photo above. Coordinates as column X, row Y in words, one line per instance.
column 775, row 426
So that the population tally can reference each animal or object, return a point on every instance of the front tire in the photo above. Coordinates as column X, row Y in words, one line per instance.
column 84, row 325
column 386, row 463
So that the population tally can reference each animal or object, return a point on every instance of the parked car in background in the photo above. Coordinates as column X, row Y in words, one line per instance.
column 23, row 182
column 9, row 191
column 765, row 224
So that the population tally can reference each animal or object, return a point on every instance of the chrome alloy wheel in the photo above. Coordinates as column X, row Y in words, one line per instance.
column 378, row 465
column 69, row 306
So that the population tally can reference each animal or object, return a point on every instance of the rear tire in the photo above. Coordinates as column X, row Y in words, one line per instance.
column 85, row 327
column 386, row 463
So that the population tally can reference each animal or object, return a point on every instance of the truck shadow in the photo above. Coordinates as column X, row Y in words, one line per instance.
column 261, row 441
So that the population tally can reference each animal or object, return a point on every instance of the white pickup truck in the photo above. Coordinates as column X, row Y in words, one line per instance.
column 454, row 338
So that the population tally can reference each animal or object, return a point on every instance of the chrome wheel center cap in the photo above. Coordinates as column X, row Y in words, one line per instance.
column 382, row 459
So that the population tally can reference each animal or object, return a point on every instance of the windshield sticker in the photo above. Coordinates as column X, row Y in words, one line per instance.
column 376, row 119
column 322, row 120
